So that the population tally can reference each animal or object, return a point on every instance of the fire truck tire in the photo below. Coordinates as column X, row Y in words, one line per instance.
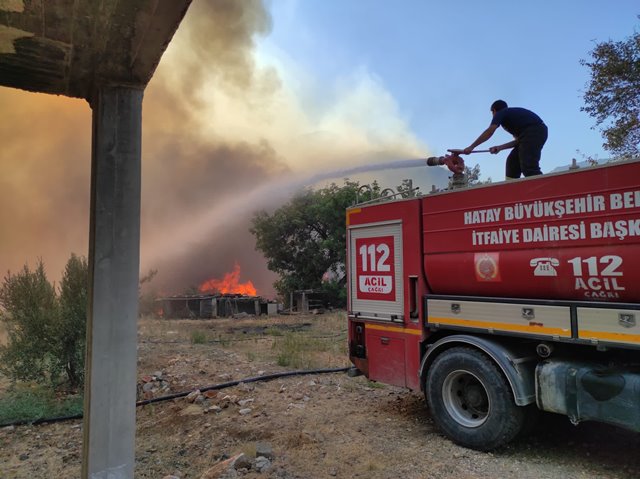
column 471, row 401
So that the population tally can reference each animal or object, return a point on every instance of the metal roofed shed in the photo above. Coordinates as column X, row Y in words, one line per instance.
column 214, row 306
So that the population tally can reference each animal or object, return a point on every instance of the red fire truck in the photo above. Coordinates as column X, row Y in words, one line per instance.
column 501, row 300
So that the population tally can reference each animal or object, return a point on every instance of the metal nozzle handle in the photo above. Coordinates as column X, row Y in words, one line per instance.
column 457, row 151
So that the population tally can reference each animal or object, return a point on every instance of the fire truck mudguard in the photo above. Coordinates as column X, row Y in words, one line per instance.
column 516, row 365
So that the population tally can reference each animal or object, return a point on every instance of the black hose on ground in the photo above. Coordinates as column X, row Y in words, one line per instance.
column 267, row 377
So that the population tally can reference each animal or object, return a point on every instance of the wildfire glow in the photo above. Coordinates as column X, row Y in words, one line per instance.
column 229, row 284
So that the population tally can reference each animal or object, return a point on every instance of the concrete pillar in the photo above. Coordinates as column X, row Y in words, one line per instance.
column 114, row 257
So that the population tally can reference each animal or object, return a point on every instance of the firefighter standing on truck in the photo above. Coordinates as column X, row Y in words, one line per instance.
column 530, row 135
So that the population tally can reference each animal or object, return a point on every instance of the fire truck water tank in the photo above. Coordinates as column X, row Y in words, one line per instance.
column 568, row 236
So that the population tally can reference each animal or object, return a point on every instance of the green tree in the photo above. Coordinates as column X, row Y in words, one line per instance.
column 306, row 237
column 613, row 93
column 30, row 313
column 69, row 348
column 46, row 331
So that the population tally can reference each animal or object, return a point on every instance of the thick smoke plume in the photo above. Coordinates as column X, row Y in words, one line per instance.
column 219, row 126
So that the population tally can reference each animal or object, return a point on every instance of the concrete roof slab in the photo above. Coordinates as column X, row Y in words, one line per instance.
column 70, row 47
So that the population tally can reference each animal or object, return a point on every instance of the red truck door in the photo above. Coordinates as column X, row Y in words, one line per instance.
column 377, row 293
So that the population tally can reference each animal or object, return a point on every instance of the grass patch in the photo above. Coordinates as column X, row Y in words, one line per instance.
column 375, row 385
column 198, row 337
column 273, row 331
column 31, row 402
column 299, row 351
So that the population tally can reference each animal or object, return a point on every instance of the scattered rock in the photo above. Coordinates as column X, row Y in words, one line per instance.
column 264, row 449
column 262, row 464
column 147, row 386
column 246, row 387
column 245, row 411
column 226, row 401
column 243, row 462
column 222, row 469
column 192, row 396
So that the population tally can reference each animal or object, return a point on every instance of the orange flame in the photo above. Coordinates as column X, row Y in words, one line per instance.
column 229, row 284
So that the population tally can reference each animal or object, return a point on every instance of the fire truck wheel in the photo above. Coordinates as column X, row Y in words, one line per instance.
column 471, row 401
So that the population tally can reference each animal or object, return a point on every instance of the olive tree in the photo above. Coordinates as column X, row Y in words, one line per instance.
column 46, row 331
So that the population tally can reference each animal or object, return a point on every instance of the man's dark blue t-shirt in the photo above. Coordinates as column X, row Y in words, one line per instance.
column 515, row 119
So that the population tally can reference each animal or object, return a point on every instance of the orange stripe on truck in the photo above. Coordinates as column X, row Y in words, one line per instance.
column 628, row 338
column 393, row 329
column 469, row 323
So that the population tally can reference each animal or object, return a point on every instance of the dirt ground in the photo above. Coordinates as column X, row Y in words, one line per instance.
column 311, row 426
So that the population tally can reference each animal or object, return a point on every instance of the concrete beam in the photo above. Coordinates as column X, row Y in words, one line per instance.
column 68, row 46
column 114, row 257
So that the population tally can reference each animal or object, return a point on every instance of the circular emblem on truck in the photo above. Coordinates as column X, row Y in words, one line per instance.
column 487, row 267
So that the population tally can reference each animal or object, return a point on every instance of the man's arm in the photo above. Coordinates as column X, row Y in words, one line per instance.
column 504, row 146
column 484, row 136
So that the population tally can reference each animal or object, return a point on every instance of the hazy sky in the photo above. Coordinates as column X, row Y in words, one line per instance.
column 444, row 63
column 251, row 98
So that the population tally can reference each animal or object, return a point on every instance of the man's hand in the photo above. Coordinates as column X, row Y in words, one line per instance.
column 494, row 149
column 467, row 150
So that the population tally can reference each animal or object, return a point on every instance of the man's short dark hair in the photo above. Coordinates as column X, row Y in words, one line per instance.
column 498, row 105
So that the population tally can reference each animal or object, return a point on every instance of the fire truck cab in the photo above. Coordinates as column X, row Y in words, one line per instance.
column 501, row 300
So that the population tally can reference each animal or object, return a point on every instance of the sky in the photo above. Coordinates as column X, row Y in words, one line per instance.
column 255, row 99
column 444, row 63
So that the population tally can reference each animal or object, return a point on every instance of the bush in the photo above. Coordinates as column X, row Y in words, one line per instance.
column 30, row 313
column 46, row 333
column 71, row 329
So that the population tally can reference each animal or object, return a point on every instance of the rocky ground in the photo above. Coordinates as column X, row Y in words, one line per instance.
column 311, row 426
